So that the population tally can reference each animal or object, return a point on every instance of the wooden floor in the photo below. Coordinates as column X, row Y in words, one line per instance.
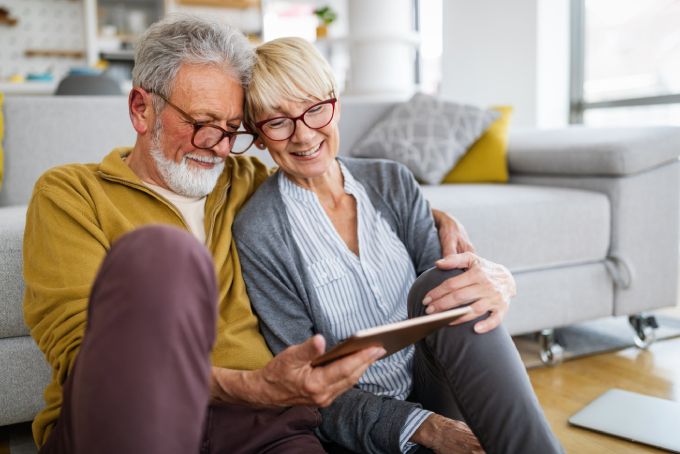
column 565, row 389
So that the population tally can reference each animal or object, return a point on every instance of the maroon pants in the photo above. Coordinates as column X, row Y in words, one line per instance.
column 140, row 383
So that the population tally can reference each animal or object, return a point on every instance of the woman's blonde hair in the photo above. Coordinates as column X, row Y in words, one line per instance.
column 286, row 68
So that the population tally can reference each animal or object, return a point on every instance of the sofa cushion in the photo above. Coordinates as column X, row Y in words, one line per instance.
column 529, row 227
column 12, row 221
column 486, row 160
column 539, row 304
column 2, row 135
column 426, row 134
column 23, row 377
column 592, row 151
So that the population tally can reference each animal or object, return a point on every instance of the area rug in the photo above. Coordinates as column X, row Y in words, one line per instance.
column 593, row 337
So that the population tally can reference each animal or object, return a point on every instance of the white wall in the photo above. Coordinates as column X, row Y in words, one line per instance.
column 516, row 53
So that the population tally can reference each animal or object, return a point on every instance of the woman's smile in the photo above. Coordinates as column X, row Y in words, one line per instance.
column 310, row 153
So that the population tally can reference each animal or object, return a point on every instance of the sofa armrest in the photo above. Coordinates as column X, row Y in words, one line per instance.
column 12, row 221
column 589, row 151
column 644, row 239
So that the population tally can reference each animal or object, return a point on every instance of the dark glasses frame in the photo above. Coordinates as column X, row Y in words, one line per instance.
column 300, row 117
column 197, row 125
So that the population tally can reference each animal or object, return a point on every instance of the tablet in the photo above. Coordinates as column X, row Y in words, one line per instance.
column 392, row 337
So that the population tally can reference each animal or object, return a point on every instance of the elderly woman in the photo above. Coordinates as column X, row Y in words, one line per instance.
column 332, row 245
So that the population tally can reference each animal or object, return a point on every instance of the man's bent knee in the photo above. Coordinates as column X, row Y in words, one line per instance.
column 159, row 246
column 161, row 266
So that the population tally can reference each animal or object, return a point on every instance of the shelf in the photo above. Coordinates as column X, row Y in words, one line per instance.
column 54, row 53
column 8, row 21
column 118, row 55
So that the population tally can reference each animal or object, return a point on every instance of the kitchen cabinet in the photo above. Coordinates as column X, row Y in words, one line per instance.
column 113, row 26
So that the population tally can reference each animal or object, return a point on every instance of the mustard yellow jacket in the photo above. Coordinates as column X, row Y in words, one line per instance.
column 76, row 213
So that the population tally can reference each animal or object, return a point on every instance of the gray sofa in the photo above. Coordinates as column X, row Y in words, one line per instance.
column 588, row 223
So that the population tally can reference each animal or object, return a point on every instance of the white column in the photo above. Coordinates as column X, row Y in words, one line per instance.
column 382, row 47
column 90, row 31
column 515, row 53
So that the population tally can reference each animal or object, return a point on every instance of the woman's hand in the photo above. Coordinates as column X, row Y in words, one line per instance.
column 452, row 235
column 444, row 435
column 488, row 285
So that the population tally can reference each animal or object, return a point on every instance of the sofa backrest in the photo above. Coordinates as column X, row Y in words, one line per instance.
column 357, row 117
column 45, row 131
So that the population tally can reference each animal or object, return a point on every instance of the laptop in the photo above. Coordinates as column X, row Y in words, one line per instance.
column 635, row 417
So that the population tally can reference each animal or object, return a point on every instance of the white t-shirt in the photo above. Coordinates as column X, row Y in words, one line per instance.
column 192, row 209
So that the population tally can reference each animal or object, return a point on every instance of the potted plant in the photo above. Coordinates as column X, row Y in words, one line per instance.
column 326, row 16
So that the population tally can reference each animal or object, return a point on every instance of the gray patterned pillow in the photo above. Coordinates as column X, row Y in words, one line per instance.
column 426, row 134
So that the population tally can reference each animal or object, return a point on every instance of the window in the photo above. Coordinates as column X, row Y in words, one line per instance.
column 625, row 62
column 429, row 25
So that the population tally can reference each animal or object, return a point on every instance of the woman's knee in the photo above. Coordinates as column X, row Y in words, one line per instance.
column 426, row 282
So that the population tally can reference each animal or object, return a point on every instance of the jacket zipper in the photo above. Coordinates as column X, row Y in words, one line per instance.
column 213, row 215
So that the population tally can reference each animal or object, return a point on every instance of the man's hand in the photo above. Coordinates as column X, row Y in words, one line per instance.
column 488, row 284
column 452, row 235
column 444, row 435
column 289, row 379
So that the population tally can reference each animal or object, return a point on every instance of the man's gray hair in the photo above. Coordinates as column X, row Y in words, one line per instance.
column 180, row 39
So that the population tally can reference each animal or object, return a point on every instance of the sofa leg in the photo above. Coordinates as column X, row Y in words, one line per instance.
column 552, row 352
column 645, row 329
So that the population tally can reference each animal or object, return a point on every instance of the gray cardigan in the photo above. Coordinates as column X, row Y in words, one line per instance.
column 281, row 290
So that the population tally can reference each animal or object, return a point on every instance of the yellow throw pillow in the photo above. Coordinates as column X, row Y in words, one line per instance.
column 485, row 161
column 2, row 130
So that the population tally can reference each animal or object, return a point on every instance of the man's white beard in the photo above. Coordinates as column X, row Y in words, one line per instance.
column 182, row 178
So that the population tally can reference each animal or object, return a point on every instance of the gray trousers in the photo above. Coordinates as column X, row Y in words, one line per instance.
column 478, row 378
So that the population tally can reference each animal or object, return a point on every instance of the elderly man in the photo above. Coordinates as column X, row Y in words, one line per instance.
column 150, row 335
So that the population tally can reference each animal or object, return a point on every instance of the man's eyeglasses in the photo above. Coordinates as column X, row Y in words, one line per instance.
column 206, row 135
column 283, row 128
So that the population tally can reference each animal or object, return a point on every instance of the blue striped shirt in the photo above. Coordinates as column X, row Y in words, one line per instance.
column 358, row 292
